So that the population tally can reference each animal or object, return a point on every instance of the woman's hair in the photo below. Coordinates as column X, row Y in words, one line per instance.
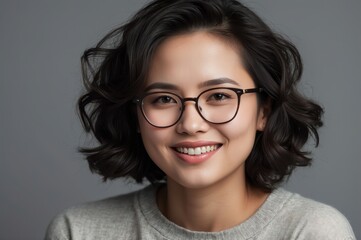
column 115, row 71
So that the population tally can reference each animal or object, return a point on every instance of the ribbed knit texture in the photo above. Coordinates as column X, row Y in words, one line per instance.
column 283, row 215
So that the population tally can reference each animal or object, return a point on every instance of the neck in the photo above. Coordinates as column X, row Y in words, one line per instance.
column 213, row 208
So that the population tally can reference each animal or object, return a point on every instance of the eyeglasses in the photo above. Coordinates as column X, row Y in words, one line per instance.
column 216, row 105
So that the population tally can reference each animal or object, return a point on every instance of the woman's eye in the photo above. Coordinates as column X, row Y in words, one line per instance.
column 164, row 100
column 218, row 97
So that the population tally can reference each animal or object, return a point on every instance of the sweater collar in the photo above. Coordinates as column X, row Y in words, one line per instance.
column 246, row 230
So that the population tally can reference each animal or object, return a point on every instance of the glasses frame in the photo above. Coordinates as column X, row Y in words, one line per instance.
column 238, row 91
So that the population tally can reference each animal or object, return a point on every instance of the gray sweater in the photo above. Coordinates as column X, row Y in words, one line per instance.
column 284, row 215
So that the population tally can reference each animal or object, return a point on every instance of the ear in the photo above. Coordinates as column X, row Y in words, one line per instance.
column 264, row 112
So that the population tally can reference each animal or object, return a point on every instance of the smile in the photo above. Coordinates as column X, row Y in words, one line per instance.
column 197, row 150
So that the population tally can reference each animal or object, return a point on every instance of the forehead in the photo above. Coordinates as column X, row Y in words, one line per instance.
column 196, row 57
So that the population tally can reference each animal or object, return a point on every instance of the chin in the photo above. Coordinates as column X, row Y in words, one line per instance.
column 195, row 180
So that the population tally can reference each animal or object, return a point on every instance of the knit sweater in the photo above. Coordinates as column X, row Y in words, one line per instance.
column 284, row 215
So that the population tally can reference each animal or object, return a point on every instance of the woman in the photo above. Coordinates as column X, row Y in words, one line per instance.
column 198, row 97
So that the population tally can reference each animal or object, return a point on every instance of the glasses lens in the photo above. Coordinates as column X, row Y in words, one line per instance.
column 218, row 105
column 162, row 109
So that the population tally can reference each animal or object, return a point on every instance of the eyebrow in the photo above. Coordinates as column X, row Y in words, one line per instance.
column 217, row 81
column 161, row 85
column 208, row 83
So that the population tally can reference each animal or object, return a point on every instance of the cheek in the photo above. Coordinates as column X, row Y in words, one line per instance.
column 154, row 139
column 241, row 133
column 244, row 122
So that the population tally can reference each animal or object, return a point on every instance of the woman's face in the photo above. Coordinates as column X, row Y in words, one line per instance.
column 184, row 65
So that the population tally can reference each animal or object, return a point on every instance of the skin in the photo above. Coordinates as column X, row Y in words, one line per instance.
column 212, row 195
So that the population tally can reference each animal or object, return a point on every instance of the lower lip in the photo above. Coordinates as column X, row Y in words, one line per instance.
column 194, row 159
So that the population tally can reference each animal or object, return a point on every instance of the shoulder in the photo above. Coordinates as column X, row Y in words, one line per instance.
column 103, row 218
column 309, row 219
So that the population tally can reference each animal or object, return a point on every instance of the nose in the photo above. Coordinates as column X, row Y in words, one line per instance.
column 191, row 121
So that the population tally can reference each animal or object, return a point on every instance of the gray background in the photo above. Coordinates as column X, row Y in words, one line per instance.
column 41, row 172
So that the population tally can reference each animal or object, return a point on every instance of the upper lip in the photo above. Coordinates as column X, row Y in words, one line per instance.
column 189, row 144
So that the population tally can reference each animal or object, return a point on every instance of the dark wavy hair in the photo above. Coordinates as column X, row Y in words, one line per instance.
column 115, row 70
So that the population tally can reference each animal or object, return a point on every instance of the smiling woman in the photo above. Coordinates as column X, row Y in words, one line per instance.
column 187, row 62
column 198, row 97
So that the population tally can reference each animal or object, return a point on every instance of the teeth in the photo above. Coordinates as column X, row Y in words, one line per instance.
column 191, row 151
column 197, row 150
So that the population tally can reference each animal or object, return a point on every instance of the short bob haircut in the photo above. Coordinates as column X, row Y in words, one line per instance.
column 115, row 71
